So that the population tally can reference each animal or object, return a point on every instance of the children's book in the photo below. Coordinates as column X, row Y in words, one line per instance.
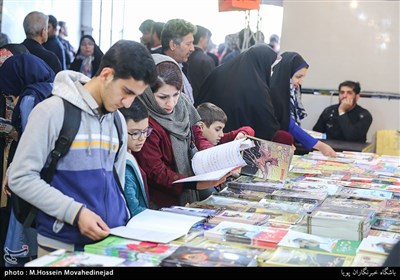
column 156, row 226
column 267, row 160
column 215, row 162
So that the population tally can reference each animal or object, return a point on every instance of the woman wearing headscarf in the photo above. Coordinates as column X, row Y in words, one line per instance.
column 6, row 107
column 286, row 81
column 88, row 57
column 28, row 80
column 166, row 154
column 240, row 87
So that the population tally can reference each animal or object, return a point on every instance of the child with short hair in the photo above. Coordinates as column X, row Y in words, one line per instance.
column 213, row 120
column 137, row 122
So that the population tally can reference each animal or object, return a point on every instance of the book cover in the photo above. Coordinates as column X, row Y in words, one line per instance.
column 256, row 236
column 240, row 217
column 255, row 184
column 267, row 160
column 363, row 259
column 131, row 249
column 301, row 240
column 295, row 257
column 216, row 162
column 377, row 245
column 61, row 258
column 195, row 256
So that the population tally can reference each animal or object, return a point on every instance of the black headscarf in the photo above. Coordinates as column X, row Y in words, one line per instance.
column 280, row 85
column 241, row 88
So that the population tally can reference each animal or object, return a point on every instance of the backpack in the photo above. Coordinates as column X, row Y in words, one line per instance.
column 25, row 212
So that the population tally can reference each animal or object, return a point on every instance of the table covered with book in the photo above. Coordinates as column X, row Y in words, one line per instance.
column 342, row 211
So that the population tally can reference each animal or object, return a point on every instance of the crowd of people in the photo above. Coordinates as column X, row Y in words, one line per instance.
column 176, row 98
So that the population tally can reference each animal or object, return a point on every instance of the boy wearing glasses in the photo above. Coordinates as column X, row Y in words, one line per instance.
column 136, row 191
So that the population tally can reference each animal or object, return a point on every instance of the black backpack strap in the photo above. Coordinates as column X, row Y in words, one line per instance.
column 118, row 125
column 69, row 129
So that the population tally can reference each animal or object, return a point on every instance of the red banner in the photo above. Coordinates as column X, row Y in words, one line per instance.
column 238, row 5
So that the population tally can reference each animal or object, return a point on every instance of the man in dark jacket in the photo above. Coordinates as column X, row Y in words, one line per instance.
column 35, row 27
column 345, row 121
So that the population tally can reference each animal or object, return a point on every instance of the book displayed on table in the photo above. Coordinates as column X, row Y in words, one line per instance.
column 156, row 226
column 256, row 236
column 301, row 240
column 210, row 257
column 215, row 162
column 61, row 258
column 297, row 257
column 267, row 160
column 147, row 252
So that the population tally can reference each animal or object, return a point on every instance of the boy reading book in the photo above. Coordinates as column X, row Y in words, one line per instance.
column 211, row 126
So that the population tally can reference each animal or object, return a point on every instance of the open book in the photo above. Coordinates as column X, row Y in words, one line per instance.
column 156, row 226
column 267, row 160
column 214, row 163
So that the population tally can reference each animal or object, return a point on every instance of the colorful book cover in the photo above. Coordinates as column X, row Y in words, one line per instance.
column 131, row 249
column 267, row 160
column 300, row 240
column 61, row 258
column 386, row 224
column 195, row 256
column 295, row 257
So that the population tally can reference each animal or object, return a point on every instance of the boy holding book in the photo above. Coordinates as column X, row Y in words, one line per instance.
column 211, row 126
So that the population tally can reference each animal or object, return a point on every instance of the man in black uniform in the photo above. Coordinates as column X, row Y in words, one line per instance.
column 345, row 121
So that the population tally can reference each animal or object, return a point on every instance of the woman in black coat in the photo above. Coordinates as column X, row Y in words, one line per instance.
column 88, row 57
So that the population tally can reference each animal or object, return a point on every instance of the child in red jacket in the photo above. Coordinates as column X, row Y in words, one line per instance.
column 211, row 126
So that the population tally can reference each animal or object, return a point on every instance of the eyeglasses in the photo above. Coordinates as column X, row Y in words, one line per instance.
column 136, row 134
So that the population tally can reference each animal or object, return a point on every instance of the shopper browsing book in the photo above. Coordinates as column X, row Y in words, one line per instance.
column 212, row 124
column 166, row 155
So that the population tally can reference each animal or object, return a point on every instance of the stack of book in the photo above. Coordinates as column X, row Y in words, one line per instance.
column 252, row 235
column 336, row 225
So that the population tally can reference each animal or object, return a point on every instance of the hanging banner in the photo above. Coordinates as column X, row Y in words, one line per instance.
column 238, row 5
